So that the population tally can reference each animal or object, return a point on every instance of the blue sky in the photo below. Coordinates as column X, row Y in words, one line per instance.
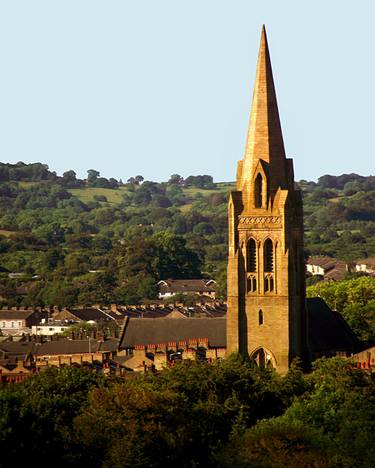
column 159, row 87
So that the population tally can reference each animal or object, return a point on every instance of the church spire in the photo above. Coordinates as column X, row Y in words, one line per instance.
column 264, row 138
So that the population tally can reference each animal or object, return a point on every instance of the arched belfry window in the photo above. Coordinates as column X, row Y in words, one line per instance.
column 268, row 256
column 251, row 265
column 258, row 191
column 269, row 266
column 251, row 256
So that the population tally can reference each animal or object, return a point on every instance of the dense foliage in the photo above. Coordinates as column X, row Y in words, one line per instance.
column 102, row 240
column 228, row 414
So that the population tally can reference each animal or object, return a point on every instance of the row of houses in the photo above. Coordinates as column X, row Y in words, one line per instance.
column 52, row 320
column 151, row 344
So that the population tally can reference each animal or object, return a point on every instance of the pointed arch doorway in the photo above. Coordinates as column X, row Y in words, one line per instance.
column 263, row 358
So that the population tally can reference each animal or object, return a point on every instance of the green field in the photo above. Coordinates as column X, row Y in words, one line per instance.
column 114, row 196
column 221, row 187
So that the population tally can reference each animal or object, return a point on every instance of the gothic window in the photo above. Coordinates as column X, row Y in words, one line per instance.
column 263, row 358
column 268, row 256
column 251, row 256
column 251, row 283
column 269, row 266
column 258, row 189
column 260, row 317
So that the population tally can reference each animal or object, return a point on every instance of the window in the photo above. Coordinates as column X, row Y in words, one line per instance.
column 269, row 266
column 268, row 256
column 251, row 256
column 258, row 191
column 260, row 317
column 251, row 283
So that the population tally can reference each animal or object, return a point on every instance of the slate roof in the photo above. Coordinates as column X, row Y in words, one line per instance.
column 18, row 347
column 109, row 345
column 89, row 313
column 50, row 348
column 9, row 314
column 150, row 331
column 333, row 269
column 327, row 329
column 324, row 262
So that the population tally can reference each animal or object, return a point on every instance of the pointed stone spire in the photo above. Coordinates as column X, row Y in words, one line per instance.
column 264, row 138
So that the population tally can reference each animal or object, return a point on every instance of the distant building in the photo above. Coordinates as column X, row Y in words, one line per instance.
column 68, row 352
column 327, row 267
column 16, row 361
column 157, row 343
column 49, row 329
column 366, row 265
column 85, row 314
column 201, row 287
column 17, row 320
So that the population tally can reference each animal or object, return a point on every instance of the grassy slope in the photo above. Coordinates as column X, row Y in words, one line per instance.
column 86, row 194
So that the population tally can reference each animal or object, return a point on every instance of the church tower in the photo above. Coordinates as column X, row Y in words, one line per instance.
column 266, row 317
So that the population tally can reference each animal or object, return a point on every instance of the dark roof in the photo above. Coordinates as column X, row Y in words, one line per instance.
column 90, row 313
column 186, row 285
column 67, row 347
column 10, row 314
column 109, row 345
column 323, row 261
column 327, row 329
column 150, row 331
column 18, row 347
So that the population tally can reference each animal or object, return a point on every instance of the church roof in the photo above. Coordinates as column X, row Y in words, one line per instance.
column 327, row 329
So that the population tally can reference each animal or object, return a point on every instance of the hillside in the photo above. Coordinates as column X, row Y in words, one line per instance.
column 101, row 239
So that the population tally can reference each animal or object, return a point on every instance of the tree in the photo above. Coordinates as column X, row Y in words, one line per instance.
column 174, row 259
column 175, row 179
column 92, row 175
column 69, row 179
